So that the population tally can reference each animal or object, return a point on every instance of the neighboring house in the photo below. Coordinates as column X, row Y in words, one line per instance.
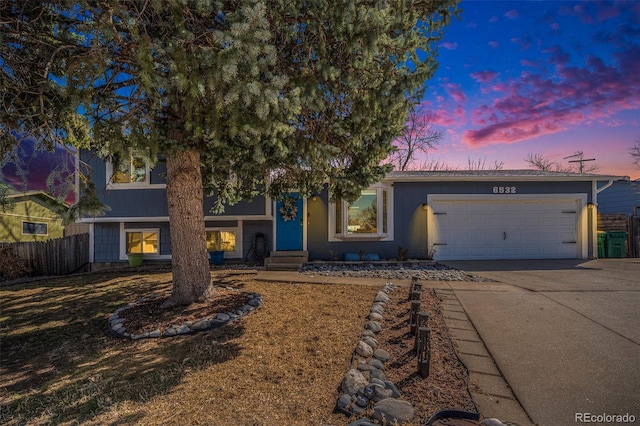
column 623, row 196
column 518, row 214
column 31, row 216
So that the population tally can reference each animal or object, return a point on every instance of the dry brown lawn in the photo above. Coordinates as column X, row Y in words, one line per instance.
column 279, row 365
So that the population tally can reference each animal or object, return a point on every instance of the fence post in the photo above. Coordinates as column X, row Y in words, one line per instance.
column 421, row 322
column 413, row 315
column 424, row 334
column 412, row 286
column 415, row 295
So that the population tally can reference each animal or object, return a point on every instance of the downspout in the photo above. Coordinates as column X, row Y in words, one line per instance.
column 594, row 214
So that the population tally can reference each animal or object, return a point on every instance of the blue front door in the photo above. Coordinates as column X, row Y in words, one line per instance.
column 289, row 222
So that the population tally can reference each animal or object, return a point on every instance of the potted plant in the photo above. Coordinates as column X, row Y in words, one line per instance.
column 135, row 259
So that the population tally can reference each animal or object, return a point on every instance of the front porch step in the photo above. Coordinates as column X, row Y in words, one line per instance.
column 286, row 260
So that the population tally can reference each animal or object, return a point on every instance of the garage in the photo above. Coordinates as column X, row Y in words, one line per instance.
column 507, row 227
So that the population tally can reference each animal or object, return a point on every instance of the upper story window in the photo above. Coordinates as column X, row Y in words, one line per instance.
column 369, row 217
column 130, row 172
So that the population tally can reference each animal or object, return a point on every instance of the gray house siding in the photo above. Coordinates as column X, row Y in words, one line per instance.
column 152, row 202
column 410, row 220
column 106, row 242
column 621, row 197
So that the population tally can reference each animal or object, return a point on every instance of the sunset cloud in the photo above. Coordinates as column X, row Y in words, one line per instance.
column 535, row 105
column 449, row 45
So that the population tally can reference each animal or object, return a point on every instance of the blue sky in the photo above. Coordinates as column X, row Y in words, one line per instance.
column 548, row 77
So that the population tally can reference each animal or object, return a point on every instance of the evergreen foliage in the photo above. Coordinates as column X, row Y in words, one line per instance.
column 272, row 95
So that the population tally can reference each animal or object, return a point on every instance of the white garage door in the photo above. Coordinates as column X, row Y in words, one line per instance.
column 504, row 229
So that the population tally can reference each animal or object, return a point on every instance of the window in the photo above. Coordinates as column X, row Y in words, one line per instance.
column 142, row 242
column 130, row 170
column 369, row 217
column 223, row 239
column 34, row 228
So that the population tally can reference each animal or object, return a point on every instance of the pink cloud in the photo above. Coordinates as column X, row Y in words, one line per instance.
column 450, row 45
column 536, row 105
column 494, row 19
column 524, row 42
column 484, row 76
column 455, row 91
column 494, row 44
column 555, row 26
column 608, row 12
column 512, row 14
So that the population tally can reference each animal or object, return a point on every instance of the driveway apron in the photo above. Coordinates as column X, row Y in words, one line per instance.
column 564, row 334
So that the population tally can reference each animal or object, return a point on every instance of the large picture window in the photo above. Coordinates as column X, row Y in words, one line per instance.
column 146, row 242
column 223, row 239
column 369, row 217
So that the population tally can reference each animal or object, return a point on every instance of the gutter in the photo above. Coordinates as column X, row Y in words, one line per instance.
column 607, row 185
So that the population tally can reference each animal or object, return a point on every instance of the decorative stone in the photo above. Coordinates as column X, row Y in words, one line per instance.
column 155, row 333
column 115, row 321
column 365, row 367
column 491, row 422
column 368, row 333
column 118, row 327
column 183, row 329
column 362, row 401
column 395, row 392
column 393, row 410
column 255, row 302
column 374, row 316
column 362, row 422
column 378, row 374
column 353, row 381
column 223, row 317
column 364, row 349
column 344, row 401
column 169, row 332
column 201, row 325
column 378, row 382
column 374, row 326
column 381, row 297
column 375, row 392
column 371, row 342
column 376, row 363
column 382, row 355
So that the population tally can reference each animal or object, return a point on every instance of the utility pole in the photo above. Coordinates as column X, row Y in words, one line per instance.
column 581, row 160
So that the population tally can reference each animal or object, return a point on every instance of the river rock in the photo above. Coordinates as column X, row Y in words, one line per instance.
column 353, row 381
column 382, row 355
column 391, row 410
column 364, row 349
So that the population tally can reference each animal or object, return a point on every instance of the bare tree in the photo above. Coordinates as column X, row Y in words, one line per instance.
column 544, row 163
column 419, row 136
column 635, row 152
column 481, row 164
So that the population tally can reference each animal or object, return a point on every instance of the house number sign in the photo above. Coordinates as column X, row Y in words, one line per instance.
column 504, row 190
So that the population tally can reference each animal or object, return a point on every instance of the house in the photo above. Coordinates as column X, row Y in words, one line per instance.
column 516, row 214
column 31, row 216
column 622, row 196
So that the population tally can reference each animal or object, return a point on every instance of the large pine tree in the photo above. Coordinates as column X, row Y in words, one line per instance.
column 240, row 96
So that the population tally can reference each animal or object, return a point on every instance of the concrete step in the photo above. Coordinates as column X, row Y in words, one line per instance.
column 283, row 266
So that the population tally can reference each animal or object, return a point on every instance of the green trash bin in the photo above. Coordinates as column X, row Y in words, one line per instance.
column 615, row 244
column 602, row 236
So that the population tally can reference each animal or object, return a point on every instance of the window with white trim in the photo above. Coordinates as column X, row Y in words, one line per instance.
column 367, row 218
column 130, row 172
column 34, row 228
column 146, row 241
column 223, row 239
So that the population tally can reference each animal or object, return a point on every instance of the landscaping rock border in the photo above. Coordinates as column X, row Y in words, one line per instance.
column 365, row 388
column 117, row 326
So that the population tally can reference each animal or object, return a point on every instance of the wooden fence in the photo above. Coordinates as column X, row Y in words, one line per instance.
column 59, row 256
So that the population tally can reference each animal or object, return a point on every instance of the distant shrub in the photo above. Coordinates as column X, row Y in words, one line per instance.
column 11, row 265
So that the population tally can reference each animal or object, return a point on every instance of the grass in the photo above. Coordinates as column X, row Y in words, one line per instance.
column 279, row 365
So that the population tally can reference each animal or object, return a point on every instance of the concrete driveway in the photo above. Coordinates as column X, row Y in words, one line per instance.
column 565, row 334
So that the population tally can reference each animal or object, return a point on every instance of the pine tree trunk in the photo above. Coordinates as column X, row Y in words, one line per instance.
column 190, row 263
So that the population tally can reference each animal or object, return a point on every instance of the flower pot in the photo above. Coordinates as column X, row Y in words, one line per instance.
column 216, row 257
column 135, row 259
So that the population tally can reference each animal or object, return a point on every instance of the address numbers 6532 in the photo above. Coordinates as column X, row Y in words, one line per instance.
column 504, row 189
